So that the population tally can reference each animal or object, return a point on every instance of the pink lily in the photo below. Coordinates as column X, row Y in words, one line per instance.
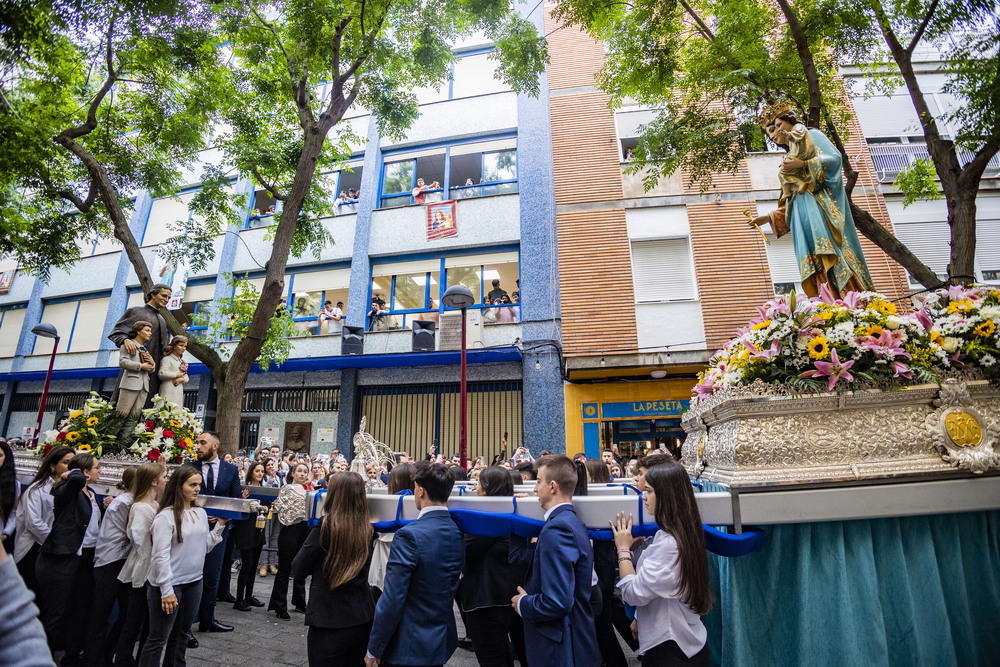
column 901, row 370
column 851, row 299
column 924, row 319
column 885, row 344
column 703, row 390
column 834, row 368
column 825, row 295
column 766, row 355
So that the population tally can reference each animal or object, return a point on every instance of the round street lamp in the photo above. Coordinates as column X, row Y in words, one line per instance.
column 460, row 296
column 45, row 330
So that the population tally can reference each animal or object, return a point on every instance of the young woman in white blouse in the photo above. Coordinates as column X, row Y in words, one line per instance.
column 181, row 539
column 34, row 513
column 150, row 481
column 668, row 585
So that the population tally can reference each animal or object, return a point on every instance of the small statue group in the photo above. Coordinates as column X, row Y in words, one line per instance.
column 151, row 361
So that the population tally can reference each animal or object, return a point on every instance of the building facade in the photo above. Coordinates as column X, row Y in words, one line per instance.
column 619, row 295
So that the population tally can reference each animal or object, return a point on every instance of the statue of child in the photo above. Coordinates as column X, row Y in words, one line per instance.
column 801, row 146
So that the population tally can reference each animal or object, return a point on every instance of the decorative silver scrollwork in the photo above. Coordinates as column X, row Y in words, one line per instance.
column 966, row 436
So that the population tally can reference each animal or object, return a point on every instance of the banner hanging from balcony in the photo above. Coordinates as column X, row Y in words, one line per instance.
column 6, row 280
column 441, row 220
column 175, row 275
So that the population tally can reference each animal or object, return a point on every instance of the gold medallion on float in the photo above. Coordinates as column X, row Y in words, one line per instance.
column 963, row 429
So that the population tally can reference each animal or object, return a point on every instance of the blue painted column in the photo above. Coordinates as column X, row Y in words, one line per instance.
column 541, row 331
column 32, row 316
column 357, row 295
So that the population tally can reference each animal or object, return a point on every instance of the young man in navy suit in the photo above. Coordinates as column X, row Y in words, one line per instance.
column 218, row 478
column 555, row 600
column 414, row 620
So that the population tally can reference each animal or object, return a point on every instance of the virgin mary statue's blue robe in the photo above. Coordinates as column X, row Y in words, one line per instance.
column 826, row 242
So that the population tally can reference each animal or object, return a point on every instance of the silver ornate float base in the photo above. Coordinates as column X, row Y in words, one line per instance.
column 760, row 435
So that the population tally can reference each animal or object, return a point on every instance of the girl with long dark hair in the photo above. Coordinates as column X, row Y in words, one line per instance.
column 181, row 540
column 34, row 513
column 668, row 585
column 150, row 482
column 249, row 539
column 400, row 480
column 337, row 554
column 489, row 581
column 65, row 565
column 10, row 494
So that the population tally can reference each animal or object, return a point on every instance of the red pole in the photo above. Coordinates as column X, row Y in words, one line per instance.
column 45, row 391
column 462, row 443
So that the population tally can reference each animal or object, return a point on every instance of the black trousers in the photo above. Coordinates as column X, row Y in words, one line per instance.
column 669, row 654
column 517, row 638
column 26, row 568
column 341, row 646
column 226, row 574
column 66, row 587
column 248, row 572
column 170, row 631
column 488, row 628
column 290, row 541
column 611, row 651
column 210, row 582
column 136, row 618
column 102, row 637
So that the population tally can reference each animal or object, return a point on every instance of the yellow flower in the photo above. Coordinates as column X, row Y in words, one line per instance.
column 885, row 308
column 175, row 423
column 762, row 325
column 188, row 442
column 818, row 347
column 83, row 448
column 744, row 355
column 92, row 421
column 961, row 306
column 73, row 436
column 825, row 315
column 936, row 338
column 985, row 329
column 873, row 330
column 74, row 415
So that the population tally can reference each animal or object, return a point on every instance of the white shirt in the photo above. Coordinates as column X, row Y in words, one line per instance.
column 140, row 523
column 653, row 591
column 431, row 508
column 173, row 563
column 552, row 509
column 34, row 518
column 336, row 326
column 113, row 544
column 214, row 464
column 93, row 527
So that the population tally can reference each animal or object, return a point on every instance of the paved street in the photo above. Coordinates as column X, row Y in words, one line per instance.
column 261, row 639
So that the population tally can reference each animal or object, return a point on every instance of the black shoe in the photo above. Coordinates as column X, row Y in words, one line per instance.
column 254, row 602
column 192, row 641
column 241, row 605
column 215, row 626
column 283, row 615
column 300, row 610
column 225, row 597
column 466, row 644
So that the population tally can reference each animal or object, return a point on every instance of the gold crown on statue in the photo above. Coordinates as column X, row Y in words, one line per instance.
column 771, row 112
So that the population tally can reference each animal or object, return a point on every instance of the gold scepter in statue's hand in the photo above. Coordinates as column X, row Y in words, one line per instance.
column 749, row 216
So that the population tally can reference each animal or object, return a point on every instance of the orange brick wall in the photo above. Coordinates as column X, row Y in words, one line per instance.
column 731, row 266
column 595, row 276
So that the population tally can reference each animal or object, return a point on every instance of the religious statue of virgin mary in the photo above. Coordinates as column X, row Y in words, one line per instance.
column 819, row 219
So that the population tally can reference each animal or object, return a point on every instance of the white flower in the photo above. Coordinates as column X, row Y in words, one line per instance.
column 168, row 443
column 139, row 429
column 892, row 322
column 950, row 344
column 988, row 360
column 50, row 436
column 990, row 312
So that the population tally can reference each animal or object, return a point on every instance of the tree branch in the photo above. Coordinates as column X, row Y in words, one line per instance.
column 974, row 169
column 808, row 62
column 83, row 205
column 702, row 26
column 88, row 126
column 923, row 27
column 272, row 189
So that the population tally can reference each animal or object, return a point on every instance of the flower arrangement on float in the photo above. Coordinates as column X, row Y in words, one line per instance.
column 825, row 344
column 164, row 432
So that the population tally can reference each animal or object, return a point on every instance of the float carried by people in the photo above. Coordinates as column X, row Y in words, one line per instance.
column 864, row 443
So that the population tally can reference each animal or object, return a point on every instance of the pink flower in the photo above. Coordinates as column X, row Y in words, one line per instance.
column 766, row 355
column 833, row 369
column 702, row 390
column 901, row 370
column 885, row 345
column 924, row 319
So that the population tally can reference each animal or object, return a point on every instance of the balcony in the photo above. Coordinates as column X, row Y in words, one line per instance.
column 890, row 159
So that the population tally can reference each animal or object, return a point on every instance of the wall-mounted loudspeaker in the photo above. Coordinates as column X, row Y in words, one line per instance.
column 352, row 340
column 423, row 335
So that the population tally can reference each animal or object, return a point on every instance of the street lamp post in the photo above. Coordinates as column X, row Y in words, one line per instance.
column 45, row 331
column 460, row 296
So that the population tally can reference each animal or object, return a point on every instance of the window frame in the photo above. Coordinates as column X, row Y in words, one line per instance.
column 66, row 341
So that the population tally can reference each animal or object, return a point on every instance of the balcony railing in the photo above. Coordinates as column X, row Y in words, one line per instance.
column 890, row 159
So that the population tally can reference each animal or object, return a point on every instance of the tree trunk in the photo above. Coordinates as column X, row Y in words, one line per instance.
column 228, row 411
column 962, row 220
column 880, row 236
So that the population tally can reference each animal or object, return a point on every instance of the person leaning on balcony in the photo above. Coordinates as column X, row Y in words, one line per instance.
column 418, row 192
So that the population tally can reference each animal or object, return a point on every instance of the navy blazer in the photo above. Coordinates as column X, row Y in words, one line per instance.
column 558, row 618
column 227, row 485
column 414, row 619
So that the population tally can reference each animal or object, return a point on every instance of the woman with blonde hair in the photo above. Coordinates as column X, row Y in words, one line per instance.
column 150, row 481
column 337, row 553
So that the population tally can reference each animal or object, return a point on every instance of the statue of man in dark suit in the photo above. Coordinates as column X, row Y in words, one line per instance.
column 156, row 298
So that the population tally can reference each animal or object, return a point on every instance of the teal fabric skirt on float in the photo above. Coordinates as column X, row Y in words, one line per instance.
column 906, row 591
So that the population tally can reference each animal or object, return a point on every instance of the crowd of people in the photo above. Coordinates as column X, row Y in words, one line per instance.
column 156, row 564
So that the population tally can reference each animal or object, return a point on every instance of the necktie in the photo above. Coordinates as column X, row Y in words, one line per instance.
column 210, row 487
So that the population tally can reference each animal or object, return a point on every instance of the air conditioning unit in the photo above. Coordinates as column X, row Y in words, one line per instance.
column 450, row 332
